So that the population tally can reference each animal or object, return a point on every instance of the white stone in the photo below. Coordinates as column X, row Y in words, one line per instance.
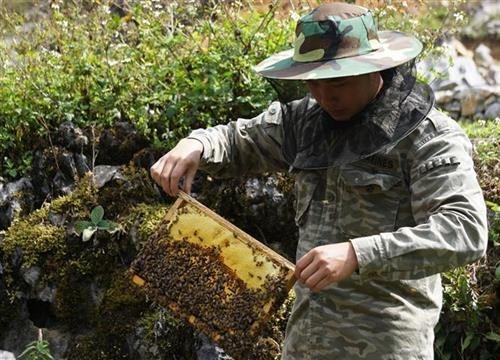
column 496, row 77
column 444, row 96
column 482, row 56
column 493, row 27
column 461, row 49
column 464, row 72
column 5, row 355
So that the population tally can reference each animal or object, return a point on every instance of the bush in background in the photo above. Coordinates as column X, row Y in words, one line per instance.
column 168, row 67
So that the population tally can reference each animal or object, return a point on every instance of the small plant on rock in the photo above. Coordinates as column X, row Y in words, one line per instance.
column 97, row 222
column 37, row 350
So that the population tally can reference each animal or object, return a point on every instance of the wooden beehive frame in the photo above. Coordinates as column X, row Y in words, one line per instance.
column 185, row 199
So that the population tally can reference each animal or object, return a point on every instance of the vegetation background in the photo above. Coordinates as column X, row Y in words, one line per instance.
column 167, row 67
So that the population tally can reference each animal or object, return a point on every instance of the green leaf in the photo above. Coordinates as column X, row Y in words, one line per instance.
column 493, row 336
column 97, row 214
column 493, row 206
column 82, row 225
column 497, row 273
column 109, row 226
column 88, row 232
column 476, row 341
column 12, row 172
column 467, row 340
column 29, row 349
column 104, row 225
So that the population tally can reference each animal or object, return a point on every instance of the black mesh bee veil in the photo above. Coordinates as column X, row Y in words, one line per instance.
column 288, row 90
column 311, row 141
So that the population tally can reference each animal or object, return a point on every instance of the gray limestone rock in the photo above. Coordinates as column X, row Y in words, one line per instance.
column 492, row 111
column 14, row 197
column 105, row 173
column 71, row 137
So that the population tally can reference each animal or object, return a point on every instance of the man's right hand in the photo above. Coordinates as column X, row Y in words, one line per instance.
column 182, row 160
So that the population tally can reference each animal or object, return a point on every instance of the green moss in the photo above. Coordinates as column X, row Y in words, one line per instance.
column 147, row 217
column 113, row 320
column 73, row 304
column 164, row 336
column 122, row 305
column 33, row 239
column 9, row 310
column 75, row 266
column 91, row 347
column 135, row 189
column 36, row 236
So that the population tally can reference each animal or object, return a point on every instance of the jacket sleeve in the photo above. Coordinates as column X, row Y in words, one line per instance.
column 244, row 146
column 448, row 208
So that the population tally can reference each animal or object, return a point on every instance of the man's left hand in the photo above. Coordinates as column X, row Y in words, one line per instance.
column 325, row 265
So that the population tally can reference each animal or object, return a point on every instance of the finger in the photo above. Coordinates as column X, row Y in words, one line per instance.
column 323, row 283
column 315, row 277
column 188, row 181
column 155, row 171
column 165, row 175
column 177, row 172
column 310, row 269
column 303, row 262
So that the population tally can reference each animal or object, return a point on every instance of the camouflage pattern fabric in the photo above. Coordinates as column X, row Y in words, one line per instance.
column 412, row 210
column 323, row 36
column 337, row 40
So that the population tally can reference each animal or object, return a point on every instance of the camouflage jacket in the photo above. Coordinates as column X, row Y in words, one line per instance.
column 411, row 210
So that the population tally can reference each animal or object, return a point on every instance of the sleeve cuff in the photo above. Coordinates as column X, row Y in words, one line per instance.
column 207, row 148
column 369, row 252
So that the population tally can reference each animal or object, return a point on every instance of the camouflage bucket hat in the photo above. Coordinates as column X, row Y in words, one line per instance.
column 336, row 40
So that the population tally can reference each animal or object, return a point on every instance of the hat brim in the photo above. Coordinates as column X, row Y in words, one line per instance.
column 395, row 49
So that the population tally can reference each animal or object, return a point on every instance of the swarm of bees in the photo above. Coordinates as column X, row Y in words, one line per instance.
column 188, row 271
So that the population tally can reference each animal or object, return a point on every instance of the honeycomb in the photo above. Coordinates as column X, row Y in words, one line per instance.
column 213, row 275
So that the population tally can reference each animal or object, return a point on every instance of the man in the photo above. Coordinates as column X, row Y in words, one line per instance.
column 387, row 197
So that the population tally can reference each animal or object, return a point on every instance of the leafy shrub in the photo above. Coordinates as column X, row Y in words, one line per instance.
column 166, row 67
column 152, row 68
